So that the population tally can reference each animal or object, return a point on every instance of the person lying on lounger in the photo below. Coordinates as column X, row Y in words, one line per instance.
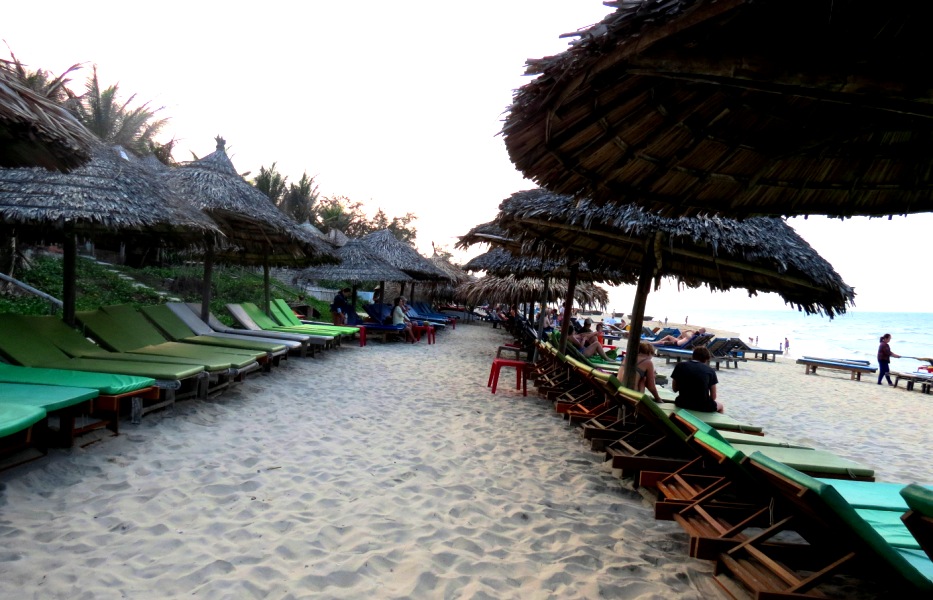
column 588, row 341
column 684, row 339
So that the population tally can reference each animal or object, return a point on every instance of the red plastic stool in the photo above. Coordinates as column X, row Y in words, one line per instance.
column 521, row 373
column 424, row 329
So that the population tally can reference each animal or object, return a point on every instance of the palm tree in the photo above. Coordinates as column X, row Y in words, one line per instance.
column 115, row 123
column 298, row 202
column 271, row 183
column 42, row 82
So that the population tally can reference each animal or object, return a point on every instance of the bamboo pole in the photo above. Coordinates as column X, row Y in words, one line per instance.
column 69, row 275
column 648, row 269
column 208, row 275
column 568, row 306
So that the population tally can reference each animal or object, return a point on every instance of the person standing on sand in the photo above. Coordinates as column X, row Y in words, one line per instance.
column 884, row 358
column 695, row 383
column 786, row 346
column 340, row 307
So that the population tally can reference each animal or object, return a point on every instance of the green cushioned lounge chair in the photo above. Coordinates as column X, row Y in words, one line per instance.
column 277, row 320
column 286, row 317
column 814, row 462
column 129, row 332
column 838, row 536
column 176, row 330
column 248, row 315
column 919, row 519
column 66, row 403
column 115, row 389
column 199, row 327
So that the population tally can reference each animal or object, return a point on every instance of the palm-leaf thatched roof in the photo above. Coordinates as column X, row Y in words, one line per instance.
column 455, row 274
column 357, row 264
column 402, row 256
column 515, row 290
column 111, row 195
column 736, row 107
column 36, row 132
column 760, row 254
column 500, row 262
column 259, row 230
column 487, row 233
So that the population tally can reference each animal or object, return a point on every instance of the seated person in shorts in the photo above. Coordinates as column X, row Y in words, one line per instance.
column 695, row 383
column 588, row 342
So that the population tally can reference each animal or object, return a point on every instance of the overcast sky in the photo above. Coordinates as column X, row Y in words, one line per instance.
column 393, row 104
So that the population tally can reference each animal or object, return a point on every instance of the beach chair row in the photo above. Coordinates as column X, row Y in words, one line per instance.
column 779, row 519
column 59, row 382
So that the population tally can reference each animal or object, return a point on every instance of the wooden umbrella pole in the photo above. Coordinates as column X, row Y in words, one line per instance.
column 266, row 284
column 648, row 267
column 70, row 276
column 534, row 356
column 568, row 307
column 208, row 275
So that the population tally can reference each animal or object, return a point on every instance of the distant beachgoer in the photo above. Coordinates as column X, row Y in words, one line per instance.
column 884, row 358
column 686, row 320
column 695, row 383
column 665, row 321
column 644, row 368
column 340, row 307
column 756, row 340
column 786, row 346
column 780, row 346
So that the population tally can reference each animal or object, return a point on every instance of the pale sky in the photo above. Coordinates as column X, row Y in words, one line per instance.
column 393, row 104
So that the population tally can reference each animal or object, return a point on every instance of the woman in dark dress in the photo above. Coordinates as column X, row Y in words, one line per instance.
column 884, row 358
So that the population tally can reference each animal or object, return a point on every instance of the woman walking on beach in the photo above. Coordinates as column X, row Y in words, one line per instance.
column 884, row 359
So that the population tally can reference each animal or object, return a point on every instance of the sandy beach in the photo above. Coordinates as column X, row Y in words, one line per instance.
column 390, row 471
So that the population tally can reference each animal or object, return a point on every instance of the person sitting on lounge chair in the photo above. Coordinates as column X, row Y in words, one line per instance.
column 644, row 367
column 588, row 342
column 399, row 317
column 695, row 383
column 685, row 338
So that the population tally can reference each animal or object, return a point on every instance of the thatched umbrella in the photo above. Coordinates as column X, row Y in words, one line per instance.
column 109, row 196
column 759, row 254
column 402, row 256
column 704, row 106
column 260, row 232
column 515, row 290
column 36, row 132
column 357, row 264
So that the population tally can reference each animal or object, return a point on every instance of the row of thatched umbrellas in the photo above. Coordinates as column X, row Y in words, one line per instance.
column 204, row 205
column 696, row 111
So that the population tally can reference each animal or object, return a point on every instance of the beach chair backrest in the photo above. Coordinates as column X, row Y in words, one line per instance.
column 821, row 503
column 20, row 343
column 190, row 319
column 648, row 408
column 261, row 319
column 693, row 424
column 131, row 328
column 242, row 317
column 166, row 320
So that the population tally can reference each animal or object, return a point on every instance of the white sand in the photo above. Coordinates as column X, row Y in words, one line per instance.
column 381, row 472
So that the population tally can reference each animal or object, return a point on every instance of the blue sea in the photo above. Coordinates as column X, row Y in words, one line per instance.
column 852, row 335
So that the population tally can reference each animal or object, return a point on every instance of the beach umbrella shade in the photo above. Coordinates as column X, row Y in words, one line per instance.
column 760, row 254
column 515, row 290
column 703, row 107
column 112, row 196
column 402, row 256
column 36, row 132
column 257, row 232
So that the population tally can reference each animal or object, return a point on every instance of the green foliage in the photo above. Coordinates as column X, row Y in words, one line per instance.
column 42, row 82
column 339, row 212
column 271, row 183
column 117, row 123
column 299, row 200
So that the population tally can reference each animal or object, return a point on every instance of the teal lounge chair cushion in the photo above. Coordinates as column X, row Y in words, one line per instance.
column 105, row 383
column 919, row 499
column 904, row 561
column 733, row 437
column 47, row 397
column 811, row 460
column 717, row 420
column 17, row 417
column 872, row 494
column 888, row 524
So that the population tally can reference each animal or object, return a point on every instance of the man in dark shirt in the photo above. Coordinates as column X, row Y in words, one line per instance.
column 695, row 381
column 341, row 307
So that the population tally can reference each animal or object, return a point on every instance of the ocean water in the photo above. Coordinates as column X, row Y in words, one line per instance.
column 853, row 335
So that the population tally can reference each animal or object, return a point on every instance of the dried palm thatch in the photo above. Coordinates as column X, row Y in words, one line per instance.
column 261, row 233
column 760, row 254
column 357, row 264
column 402, row 256
column 516, row 290
column 35, row 132
column 111, row 196
column 501, row 262
column 691, row 107
column 455, row 274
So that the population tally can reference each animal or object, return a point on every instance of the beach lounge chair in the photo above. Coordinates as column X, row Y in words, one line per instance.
column 200, row 328
column 17, row 423
column 919, row 518
column 247, row 312
column 176, row 330
column 113, row 389
column 425, row 309
column 853, row 367
column 124, row 329
column 250, row 328
column 47, row 342
column 835, row 536
column 740, row 346
column 72, row 408
column 286, row 317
